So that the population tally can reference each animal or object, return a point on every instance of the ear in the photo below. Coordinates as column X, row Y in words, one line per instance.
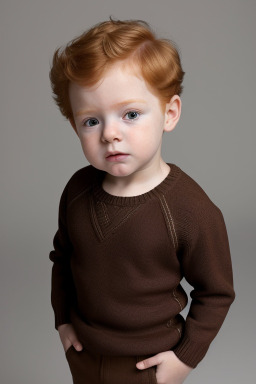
column 72, row 122
column 172, row 113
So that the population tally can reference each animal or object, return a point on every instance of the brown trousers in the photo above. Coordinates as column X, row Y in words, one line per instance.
column 90, row 368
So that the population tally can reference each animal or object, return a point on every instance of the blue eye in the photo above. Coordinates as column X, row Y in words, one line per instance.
column 132, row 115
column 91, row 122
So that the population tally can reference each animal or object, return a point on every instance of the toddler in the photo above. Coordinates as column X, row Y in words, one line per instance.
column 131, row 225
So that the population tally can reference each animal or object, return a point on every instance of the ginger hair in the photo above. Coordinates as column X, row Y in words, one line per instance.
column 86, row 58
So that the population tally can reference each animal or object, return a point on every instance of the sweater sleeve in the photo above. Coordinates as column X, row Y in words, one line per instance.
column 62, row 288
column 206, row 263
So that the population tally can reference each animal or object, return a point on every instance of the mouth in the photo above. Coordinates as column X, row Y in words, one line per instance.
column 117, row 156
column 109, row 154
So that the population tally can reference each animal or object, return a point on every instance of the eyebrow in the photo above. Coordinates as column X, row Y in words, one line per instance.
column 120, row 104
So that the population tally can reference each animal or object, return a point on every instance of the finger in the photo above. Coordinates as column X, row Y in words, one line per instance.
column 147, row 363
column 75, row 342
column 66, row 347
column 77, row 345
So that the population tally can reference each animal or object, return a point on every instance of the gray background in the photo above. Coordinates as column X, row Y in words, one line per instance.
column 213, row 143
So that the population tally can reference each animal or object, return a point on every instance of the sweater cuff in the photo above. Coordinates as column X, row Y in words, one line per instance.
column 61, row 318
column 190, row 352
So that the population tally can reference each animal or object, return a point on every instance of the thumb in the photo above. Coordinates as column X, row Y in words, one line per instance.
column 77, row 345
column 147, row 363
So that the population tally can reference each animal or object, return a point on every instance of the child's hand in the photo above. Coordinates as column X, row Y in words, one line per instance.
column 170, row 369
column 68, row 337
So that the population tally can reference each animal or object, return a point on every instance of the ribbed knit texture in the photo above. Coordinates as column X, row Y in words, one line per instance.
column 118, row 262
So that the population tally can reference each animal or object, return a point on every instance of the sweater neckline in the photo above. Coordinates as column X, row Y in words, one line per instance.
column 103, row 195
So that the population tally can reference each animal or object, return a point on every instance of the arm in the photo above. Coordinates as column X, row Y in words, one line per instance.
column 206, row 263
column 62, row 290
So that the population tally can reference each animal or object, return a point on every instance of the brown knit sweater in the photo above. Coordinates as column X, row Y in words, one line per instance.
column 118, row 262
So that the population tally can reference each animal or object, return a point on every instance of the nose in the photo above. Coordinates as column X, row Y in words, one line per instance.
column 110, row 132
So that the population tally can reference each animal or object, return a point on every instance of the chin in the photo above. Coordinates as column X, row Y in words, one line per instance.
column 118, row 170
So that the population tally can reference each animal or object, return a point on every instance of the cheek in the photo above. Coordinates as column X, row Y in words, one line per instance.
column 147, row 134
column 88, row 144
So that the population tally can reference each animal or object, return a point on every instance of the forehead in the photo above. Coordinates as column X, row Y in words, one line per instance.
column 120, row 82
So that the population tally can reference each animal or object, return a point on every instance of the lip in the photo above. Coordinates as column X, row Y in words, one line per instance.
column 115, row 153
column 117, row 157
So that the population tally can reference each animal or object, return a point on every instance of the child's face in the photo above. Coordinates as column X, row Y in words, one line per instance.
column 121, row 115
